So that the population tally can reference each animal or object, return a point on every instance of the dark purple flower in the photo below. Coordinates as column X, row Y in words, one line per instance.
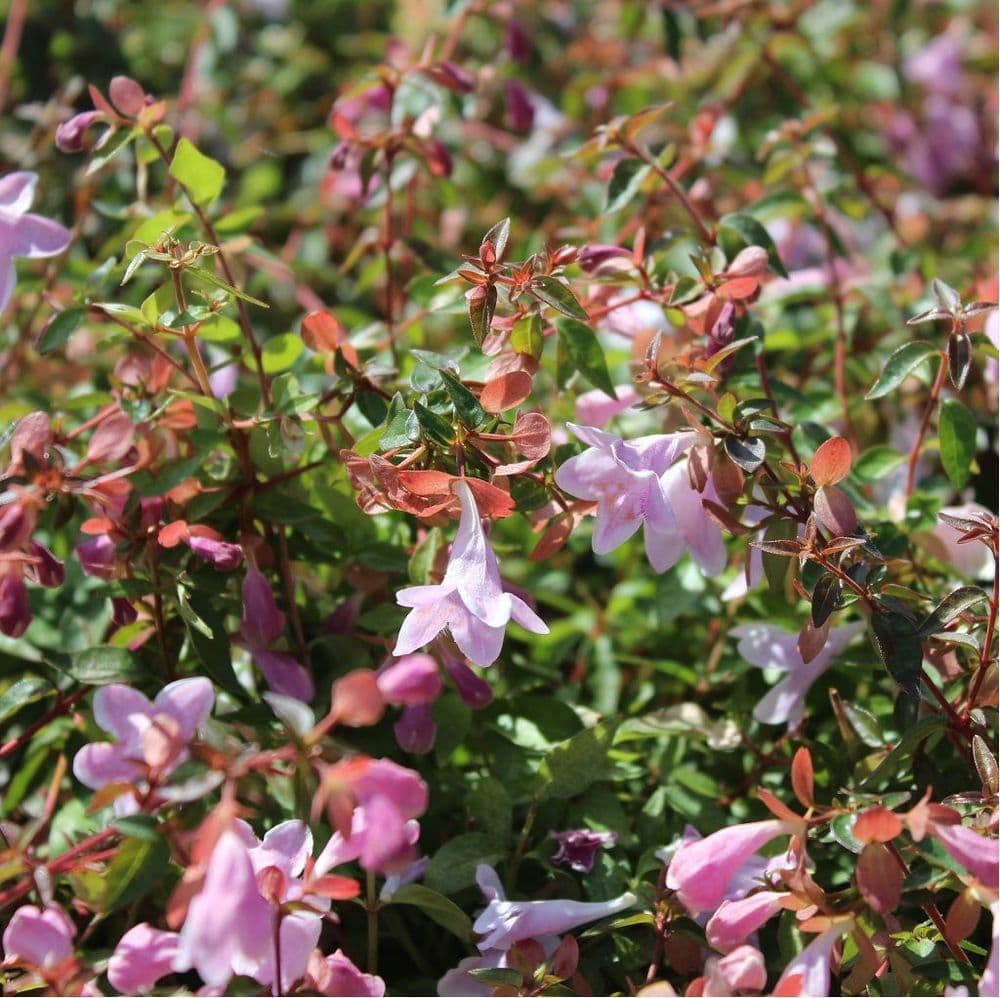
column 48, row 569
column 222, row 555
column 578, row 847
column 415, row 730
column 473, row 689
column 15, row 615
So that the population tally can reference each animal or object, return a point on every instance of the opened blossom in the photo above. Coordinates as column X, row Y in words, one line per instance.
column 642, row 483
column 808, row 974
column 578, row 847
column 768, row 646
column 40, row 938
column 736, row 920
column 23, row 234
column 470, row 600
column 701, row 871
column 152, row 736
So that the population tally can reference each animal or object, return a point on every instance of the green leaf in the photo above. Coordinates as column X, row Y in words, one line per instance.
column 424, row 556
column 950, row 607
column 900, row 365
column 467, row 406
column 498, row 235
column 957, row 433
column 218, row 282
column 60, row 329
column 752, row 233
column 625, row 182
column 433, row 426
column 898, row 644
column 526, row 337
column 498, row 977
column 202, row 176
column 105, row 664
column 453, row 866
column 903, row 752
column 559, row 296
column 139, row 826
column 877, row 462
column 139, row 866
column 584, row 354
column 825, row 597
column 574, row 764
column 401, row 427
column 436, row 907
column 281, row 352
column 207, row 633
column 21, row 693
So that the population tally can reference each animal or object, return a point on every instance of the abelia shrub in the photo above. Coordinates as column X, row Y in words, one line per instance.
column 499, row 499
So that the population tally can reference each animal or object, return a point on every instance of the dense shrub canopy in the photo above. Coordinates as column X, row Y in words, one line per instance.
column 498, row 498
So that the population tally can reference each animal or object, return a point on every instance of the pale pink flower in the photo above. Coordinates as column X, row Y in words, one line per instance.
column 702, row 870
column 151, row 736
column 470, row 601
column 230, row 925
column 504, row 923
column 623, row 478
column 768, row 646
column 735, row 921
column 39, row 937
column 337, row 975
column 594, row 408
column 143, row 955
column 23, row 234
column 808, row 974
column 410, row 681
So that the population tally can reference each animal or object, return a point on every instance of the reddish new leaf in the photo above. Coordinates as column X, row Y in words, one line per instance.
column 505, row 392
column 832, row 461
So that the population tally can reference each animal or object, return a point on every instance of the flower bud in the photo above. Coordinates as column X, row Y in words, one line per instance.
column 15, row 614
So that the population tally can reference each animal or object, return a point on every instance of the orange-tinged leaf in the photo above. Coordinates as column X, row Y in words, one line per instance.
column 506, row 392
column 97, row 525
column 492, row 501
column 832, row 461
column 172, row 534
column 877, row 824
column 802, row 777
column 879, row 877
column 739, row 288
column 334, row 887
column 325, row 333
column 776, row 807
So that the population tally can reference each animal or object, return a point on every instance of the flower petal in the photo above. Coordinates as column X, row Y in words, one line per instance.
column 188, row 701
column 478, row 641
column 422, row 625
column 114, row 705
column 522, row 614
column 35, row 237
column 102, row 763
column 17, row 191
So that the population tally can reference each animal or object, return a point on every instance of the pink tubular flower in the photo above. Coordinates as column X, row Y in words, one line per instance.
column 151, row 736
column 143, row 955
column 578, row 847
column 230, row 924
column 337, row 975
column 770, row 647
column 21, row 233
column 411, row 681
column 39, row 937
column 735, row 921
column 808, row 975
column 701, row 870
column 742, row 971
column 15, row 614
column 470, row 601
column 596, row 409
column 262, row 624
column 504, row 923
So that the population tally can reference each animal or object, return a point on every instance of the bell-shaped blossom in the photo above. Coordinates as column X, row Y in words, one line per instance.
column 470, row 601
column 23, row 234
column 416, row 729
column 808, row 974
column 475, row 692
column 768, row 646
column 41, row 938
column 701, row 870
column 642, row 483
column 15, row 613
column 230, row 924
column 143, row 955
column 383, row 831
column 410, row 681
column 735, row 921
column 578, row 847
column 261, row 625
column 504, row 923
column 151, row 736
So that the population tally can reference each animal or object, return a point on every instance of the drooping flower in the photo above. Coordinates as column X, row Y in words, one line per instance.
column 261, row 626
column 23, row 234
column 808, row 974
column 151, row 736
column 768, row 646
column 740, row 972
column 701, row 870
column 578, row 847
column 470, row 601
column 383, row 830
column 230, row 924
column 41, row 938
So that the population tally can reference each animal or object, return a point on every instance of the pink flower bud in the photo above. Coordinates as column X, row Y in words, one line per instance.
column 143, row 955
column 222, row 555
column 262, row 621
column 578, row 847
column 97, row 557
column 15, row 526
column 48, row 569
column 415, row 730
column 38, row 937
column 735, row 921
column 474, row 690
column 410, row 680
column 15, row 615
column 70, row 134
column 749, row 262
